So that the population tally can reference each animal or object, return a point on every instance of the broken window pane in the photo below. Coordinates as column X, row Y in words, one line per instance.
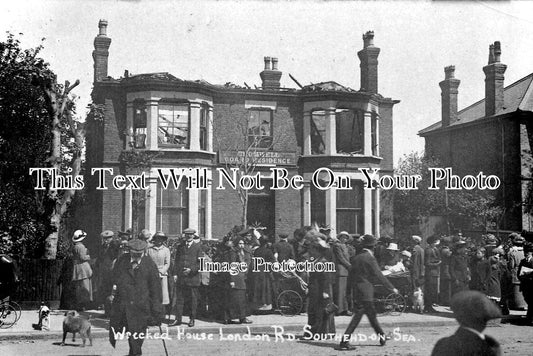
column 318, row 132
column 349, row 131
column 173, row 124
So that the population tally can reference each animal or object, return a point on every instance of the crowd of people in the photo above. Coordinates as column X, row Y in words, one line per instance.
column 444, row 268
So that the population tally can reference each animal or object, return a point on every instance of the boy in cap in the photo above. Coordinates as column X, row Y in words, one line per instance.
column 364, row 273
column 473, row 310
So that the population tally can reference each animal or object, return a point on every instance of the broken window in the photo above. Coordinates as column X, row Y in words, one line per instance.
column 139, row 124
column 260, row 128
column 173, row 124
column 349, row 131
column 318, row 132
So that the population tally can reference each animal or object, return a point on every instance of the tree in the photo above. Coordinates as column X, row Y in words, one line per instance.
column 37, row 129
column 475, row 209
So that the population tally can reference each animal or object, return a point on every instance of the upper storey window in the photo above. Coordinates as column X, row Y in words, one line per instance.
column 260, row 128
column 173, row 125
column 139, row 125
column 204, row 121
column 349, row 131
column 318, row 132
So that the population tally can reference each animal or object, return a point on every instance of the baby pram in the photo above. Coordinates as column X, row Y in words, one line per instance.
column 10, row 311
column 393, row 303
column 291, row 293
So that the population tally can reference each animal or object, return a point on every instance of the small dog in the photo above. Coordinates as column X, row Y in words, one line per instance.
column 73, row 323
column 44, row 318
column 418, row 300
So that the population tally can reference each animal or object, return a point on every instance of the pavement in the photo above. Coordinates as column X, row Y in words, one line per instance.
column 261, row 323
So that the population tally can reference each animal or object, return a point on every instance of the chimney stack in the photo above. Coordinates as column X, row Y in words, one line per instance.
column 494, row 76
column 101, row 52
column 369, row 64
column 271, row 75
column 449, row 95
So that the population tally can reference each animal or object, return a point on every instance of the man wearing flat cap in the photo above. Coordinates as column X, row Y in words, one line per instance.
column 364, row 274
column 473, row 310
column 186, row 276
column 136, row 295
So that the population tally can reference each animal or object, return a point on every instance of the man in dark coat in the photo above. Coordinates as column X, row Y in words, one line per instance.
column 103, row 267
column 473, row 310
column 459, row 271
column 136, row 296
column 283, row 250
column 363, row 275
column 432, row 263
column 186, row 276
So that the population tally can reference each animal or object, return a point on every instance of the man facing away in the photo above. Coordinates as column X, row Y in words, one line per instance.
column 473, row 310
column 364, row 273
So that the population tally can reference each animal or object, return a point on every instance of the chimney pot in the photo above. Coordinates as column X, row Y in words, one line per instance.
column 491, row 54
column 449, row 72
column 102, row 25
column 497, row 51
column 274, row 63
column 267, row 63
column 368, row 39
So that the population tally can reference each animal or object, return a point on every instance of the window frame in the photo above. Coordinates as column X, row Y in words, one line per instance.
column 358, row 210
column 174, row 103
column 262, row 144
column 182, row 210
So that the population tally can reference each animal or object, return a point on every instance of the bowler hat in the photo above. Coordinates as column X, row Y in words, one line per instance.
column 473, row 307
column 160, row 235
column 125, row 233
column 368, row 240
column 283, row 236
column 78, row 235
column 137, row 245
column 432, row 239
column 107, row 234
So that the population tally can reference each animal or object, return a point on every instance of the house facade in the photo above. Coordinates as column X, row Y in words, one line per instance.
column 204, row 128
column 493, row 136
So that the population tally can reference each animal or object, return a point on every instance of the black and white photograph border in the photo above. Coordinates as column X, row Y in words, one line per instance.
column 266, row 177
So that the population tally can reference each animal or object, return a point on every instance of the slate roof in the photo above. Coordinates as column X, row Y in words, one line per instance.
column 517, row 96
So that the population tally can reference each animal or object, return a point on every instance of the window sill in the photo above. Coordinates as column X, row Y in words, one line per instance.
column 343, row 155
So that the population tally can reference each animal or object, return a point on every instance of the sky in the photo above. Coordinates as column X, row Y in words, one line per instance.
column 315, row 41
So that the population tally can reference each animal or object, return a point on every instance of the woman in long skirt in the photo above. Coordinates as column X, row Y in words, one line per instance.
column 82, row 271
